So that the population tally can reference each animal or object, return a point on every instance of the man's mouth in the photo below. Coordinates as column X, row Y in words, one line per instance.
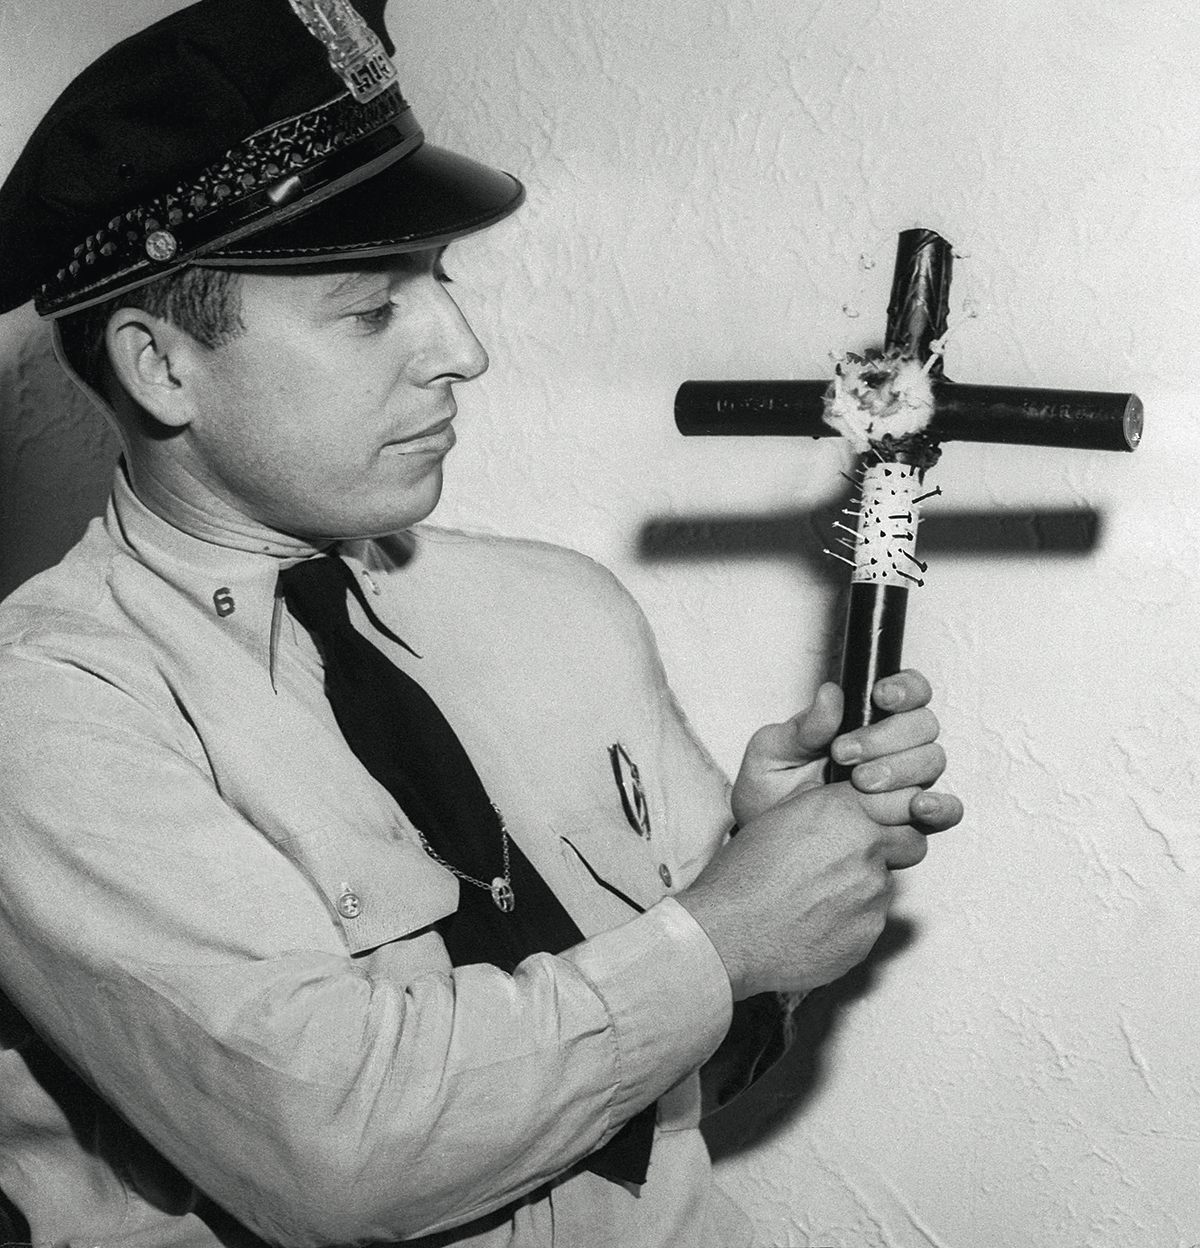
column 435, row 440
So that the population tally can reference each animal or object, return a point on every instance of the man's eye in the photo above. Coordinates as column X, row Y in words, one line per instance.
column 376, row 318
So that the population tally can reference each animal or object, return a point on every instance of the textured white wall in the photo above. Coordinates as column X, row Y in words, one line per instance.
column 715, row 189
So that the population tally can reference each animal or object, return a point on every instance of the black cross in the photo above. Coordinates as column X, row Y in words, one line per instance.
column 918, row 311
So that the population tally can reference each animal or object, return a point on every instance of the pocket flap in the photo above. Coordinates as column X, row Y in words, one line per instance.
column 378, row 887
column 619, row 859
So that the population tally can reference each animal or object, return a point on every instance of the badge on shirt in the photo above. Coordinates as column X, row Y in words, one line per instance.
column 629, row 786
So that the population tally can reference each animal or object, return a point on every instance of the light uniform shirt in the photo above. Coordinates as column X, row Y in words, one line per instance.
column 213, row 919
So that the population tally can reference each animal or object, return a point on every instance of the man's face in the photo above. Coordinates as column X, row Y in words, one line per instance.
column 329, row 417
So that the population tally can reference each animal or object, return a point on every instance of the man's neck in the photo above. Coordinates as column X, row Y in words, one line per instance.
column 206, row 516
column 174, row 495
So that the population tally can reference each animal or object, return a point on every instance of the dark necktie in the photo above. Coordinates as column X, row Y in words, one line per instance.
column 401, row 737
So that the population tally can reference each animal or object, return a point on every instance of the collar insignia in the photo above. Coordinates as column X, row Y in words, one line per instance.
column 355, row 50
column 629, row 786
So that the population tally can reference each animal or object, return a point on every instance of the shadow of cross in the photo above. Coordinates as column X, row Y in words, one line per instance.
column 898, row 408
column 801, row 535
column 798, row 536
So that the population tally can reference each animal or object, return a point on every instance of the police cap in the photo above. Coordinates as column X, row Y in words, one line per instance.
column 233, row 132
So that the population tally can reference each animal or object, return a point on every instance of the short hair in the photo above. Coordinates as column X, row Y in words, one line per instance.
column 205, row 303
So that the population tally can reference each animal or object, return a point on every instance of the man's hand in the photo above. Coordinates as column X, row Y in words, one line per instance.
column 801, row 894
column 895, row 761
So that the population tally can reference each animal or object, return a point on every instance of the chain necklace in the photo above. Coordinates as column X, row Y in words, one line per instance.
column 500, row 888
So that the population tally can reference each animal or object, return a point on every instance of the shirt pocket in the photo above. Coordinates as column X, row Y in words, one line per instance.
column 379, row 885
column 618, row 861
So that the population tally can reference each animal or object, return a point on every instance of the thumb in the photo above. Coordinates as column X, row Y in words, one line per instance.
column 805, row 737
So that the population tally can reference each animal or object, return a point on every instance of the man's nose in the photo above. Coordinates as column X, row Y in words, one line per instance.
column 455, row 353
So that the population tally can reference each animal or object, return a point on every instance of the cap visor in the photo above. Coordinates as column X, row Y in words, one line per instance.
column 424, row 200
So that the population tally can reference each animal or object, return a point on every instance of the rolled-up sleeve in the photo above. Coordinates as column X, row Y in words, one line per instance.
column 191, row 972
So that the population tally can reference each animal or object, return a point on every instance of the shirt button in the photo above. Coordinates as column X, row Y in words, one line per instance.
column 348, row 905
column 664, row 874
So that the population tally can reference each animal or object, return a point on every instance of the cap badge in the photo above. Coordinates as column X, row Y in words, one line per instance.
column 355, row 51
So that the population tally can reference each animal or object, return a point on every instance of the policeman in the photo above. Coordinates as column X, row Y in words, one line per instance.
column 361, row 880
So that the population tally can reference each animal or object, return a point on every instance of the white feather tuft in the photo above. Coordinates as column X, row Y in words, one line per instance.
column 873, row 398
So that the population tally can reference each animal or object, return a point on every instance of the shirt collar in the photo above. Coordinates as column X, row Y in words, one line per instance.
column 227, row 576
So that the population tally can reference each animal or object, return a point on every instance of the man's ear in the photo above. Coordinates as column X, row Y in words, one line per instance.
column 154, row 360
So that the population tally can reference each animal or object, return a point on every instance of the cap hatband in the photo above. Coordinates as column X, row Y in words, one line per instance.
column 276, row 173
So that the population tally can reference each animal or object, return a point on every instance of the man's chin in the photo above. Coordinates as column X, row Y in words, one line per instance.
column 414, row 506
